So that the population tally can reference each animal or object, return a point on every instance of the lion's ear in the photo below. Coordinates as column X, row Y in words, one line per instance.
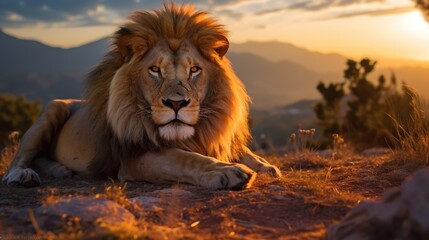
column 221, row 46
column 129, row 44
column 209, row 44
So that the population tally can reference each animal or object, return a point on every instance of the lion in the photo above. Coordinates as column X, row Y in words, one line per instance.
column 164, row 105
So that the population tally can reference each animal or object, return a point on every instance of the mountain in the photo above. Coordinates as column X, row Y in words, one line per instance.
column 42, row 72
column 38, row 71
column 276, row 51
column 274, row 83
column 23, row 56
column 275, row 74
column 316, row 61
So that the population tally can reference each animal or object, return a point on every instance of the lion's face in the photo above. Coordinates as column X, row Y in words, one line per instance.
column 169, row 80
column 173, row 84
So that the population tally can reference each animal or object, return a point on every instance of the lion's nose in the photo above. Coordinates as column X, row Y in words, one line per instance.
column 176, row 105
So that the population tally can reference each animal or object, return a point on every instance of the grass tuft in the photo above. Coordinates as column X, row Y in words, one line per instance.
column 412, row 143
column 8, row 152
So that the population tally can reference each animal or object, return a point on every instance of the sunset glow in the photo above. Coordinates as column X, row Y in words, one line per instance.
column 214, row 119
column 381, row 29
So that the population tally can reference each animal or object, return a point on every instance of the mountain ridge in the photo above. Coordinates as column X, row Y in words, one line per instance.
column 36, row 70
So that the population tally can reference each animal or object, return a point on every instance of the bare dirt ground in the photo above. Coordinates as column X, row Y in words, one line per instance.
column 314, row 193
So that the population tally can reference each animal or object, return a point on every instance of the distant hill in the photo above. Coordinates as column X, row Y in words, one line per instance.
column 316, row 61
column 274, row 83
column 38, row 71
column 277, row 51
column 275, row 74
column 23, row 56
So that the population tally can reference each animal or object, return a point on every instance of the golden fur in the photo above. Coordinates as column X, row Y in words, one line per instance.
column 164, row 105
column 222, row 133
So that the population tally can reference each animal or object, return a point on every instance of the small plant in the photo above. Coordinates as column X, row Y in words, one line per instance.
column 17, row 114
column 303, row 141
column 51, row 195
column 116, row 193
column 361, row 115
column 338, row 146
column 302, row 146
column 9, row 151
column 412, row 141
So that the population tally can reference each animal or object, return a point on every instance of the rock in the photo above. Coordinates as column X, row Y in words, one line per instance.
column 87, row 212
column 403, row 213
column 146, row 202
column 372, row 152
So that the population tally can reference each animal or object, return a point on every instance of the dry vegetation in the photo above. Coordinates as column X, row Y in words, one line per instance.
column 315, row 192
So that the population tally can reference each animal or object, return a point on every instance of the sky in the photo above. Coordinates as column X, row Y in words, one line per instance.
column 354, row 28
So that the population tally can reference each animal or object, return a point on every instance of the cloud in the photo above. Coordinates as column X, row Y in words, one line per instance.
column 272, row 10
column 378, row 12
column 13, row 17
column 230, row 13
column 72, row 13
column 312, row 5
column 323, row 4
column 306, row 5
column 16, row 13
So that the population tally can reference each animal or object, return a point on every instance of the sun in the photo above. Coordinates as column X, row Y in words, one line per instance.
column 414, row 23
column 408, row 36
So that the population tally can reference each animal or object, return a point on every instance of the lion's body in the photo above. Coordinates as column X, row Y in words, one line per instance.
column 75, row 147
column 164, row 105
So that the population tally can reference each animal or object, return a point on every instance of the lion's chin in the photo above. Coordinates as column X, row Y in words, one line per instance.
column 176, row 131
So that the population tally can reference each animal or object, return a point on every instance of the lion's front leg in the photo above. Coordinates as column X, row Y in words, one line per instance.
column 259, row 164
column 175, row 165
column 37, row 139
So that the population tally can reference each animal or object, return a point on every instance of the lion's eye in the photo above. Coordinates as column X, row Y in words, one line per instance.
column 155, row 71
column 194, row 71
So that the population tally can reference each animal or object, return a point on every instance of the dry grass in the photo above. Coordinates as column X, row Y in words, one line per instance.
column 311, row 176
column 320, row 189
column 315, row 179
column 8, row 152
column 412, row 143
column 116, row 193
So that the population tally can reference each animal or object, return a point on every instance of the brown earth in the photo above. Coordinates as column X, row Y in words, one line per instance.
column 314, row 193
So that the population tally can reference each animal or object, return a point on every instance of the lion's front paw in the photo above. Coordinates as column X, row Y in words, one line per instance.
column 271, row 169
column 234, row 177
column 260, row 165
column 25, row 177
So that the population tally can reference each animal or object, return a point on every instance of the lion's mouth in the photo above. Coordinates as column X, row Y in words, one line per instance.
column 175, row 122
column 176, row 130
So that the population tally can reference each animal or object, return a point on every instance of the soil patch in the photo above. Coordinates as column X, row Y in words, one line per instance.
column 301, row 205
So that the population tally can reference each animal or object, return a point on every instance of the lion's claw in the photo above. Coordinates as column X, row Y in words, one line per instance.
column 233, row 177
column 25, row 177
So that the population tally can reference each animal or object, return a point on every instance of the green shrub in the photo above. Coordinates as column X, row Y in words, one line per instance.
column 17, row 114
column 368, row 115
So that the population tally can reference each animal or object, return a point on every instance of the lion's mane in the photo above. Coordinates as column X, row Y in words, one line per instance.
column 222, row 130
